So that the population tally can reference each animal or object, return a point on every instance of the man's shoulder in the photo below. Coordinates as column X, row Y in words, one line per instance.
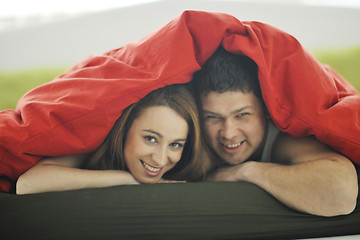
column 287, row 149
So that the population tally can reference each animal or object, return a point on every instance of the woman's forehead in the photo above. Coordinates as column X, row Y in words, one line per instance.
column 163, row 120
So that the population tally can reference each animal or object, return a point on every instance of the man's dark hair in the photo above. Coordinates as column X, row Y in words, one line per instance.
column 225, row 71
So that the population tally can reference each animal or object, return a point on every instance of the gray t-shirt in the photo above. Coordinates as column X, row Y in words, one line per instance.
column 271, row 135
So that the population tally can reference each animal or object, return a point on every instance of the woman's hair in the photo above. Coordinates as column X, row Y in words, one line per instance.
column 110, row 155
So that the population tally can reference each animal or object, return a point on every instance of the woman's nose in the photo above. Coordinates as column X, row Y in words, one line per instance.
column 160, row 157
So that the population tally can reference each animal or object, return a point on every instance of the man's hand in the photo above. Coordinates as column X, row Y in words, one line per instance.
column 228, row 174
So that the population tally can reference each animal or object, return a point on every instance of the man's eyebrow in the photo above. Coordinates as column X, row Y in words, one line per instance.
column 241, row 109
column 210, row 112
column 161, row 136
column 233, row 112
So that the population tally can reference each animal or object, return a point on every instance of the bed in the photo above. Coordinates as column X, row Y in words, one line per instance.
column 160, row 211
column 164, row 211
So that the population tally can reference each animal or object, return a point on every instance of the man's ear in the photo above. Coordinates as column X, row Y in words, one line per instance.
column 267, row 114
column 266, row 111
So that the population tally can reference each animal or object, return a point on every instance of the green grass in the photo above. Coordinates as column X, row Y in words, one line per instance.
column 345, row 61
column 14, row 84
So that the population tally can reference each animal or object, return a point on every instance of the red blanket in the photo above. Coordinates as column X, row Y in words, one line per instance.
column 73, row 113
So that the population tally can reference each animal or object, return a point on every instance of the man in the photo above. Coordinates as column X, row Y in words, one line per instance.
column 244, row 145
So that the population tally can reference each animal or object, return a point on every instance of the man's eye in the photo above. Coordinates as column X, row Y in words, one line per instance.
column 243, row 114
column 211, row 117
column 150, row 139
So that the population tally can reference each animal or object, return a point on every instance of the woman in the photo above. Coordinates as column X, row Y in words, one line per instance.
column 154, row 139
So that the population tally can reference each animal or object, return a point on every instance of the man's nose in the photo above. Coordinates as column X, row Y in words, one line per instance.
column 229, row 129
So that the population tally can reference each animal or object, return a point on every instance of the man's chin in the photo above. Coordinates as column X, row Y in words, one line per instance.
column 231, row 160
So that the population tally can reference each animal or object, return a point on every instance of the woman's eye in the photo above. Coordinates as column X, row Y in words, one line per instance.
column 176, row 146
column 150, row 139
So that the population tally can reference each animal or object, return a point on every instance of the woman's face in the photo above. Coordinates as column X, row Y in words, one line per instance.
column 154, row 143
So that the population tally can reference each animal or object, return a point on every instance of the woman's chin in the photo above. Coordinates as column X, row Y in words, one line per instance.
column 148, row 180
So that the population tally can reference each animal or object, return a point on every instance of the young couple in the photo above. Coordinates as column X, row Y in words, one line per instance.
column 158, row 139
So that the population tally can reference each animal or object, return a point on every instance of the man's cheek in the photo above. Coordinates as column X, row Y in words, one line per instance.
column 209, row 131
column 207, row 128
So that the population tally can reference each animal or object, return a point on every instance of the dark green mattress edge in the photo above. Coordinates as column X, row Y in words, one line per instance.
column 204, row 210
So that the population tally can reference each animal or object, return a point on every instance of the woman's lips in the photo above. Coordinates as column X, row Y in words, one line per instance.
column 151, row 170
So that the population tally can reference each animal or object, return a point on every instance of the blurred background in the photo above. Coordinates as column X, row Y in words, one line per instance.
column 40, row 39
column 42, row 33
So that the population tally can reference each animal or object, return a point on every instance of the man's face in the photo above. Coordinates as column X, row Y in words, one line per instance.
column 234, row 124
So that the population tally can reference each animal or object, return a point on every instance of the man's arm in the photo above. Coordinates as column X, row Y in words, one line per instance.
column 64, row 173
column 307, row 176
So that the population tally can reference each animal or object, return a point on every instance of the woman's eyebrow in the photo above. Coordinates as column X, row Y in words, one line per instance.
column 153, row 132
column 161, row 136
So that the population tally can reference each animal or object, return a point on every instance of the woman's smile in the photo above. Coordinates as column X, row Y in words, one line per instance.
column 151, row 170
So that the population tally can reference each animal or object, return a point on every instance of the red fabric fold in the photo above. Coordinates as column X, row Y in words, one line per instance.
column 73, row 113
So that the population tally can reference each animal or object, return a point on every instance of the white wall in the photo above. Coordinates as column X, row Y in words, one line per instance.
column 64, row 42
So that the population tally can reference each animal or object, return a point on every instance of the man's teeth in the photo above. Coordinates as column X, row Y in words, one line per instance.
column 150, row 168
column 233, row 145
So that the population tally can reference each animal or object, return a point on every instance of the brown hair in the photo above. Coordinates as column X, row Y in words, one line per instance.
column 225, row 71
column 110, row 155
